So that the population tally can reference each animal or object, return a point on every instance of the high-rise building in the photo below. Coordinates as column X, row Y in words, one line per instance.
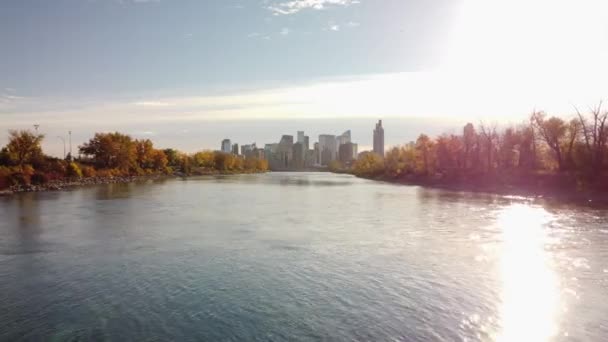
column 285, row 151
column 235, row 149
column 306, row 143
column 347, row 152
column 344, row 138
column 247, row 150
column 301, row 137
column 328, row 148
column 317, row 154
column 298, row 156
column 226, row 146
column 379, row 139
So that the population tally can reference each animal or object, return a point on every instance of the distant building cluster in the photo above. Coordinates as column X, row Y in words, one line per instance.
column 299, row 154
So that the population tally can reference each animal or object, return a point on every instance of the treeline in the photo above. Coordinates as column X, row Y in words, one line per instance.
column 22, row 161
column 543, row 149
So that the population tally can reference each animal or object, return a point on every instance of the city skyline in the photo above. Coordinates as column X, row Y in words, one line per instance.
column 298, row 154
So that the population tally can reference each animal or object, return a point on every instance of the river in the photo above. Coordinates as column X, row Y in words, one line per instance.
column 299, row 256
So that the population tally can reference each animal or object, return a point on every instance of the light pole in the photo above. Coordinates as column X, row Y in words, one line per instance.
column 70, row 135
column 63, row 140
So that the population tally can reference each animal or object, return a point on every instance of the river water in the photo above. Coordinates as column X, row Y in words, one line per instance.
column 299, row 256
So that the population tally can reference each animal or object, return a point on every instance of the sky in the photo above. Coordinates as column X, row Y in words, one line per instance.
column 189, row 73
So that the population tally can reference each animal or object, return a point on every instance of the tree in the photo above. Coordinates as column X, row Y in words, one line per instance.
column 204, row 159
column 553, row 132
column 111, row 150
column 173, row 157
column 144, row 153
column 489, row 140
column 23, row 146
column 573, row 130
column 396, row 163
column 595, row 133
column 424, row 146
column 368, row 165
column 449, row 152
column 159, row 161
column 469, row 138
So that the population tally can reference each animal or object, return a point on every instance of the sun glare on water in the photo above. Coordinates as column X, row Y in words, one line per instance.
column 530, row 294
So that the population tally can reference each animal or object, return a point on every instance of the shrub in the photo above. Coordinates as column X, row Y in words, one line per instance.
column 39, row 178
column 18, row 178
column 73, row 170
column 5, row 173
column 88, row 171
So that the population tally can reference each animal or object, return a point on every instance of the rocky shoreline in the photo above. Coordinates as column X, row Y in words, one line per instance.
column 58, row 185
column 65, row 184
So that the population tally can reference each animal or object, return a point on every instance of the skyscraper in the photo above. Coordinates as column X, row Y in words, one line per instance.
column 379, row 139
column 344, row 138
column 328, row 148
column 226, row 146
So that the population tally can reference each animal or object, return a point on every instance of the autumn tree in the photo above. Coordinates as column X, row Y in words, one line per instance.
column 368, row 165
column 144, row 153
column 111, row 150
column 23, row 146
column 424, row 148
column 396, row 162
column 450, row 152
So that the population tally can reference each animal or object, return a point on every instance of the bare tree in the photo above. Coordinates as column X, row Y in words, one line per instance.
column 489, row 136
column 552, row 131
column 595, row 133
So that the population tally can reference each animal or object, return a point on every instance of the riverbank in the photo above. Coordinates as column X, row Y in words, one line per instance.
column 547, row 186
column 66, row 184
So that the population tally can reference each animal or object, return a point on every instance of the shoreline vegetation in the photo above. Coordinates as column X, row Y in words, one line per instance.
column 543, row 157
column 107, row 158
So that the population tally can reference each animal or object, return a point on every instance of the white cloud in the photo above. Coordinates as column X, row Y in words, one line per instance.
column 353, row 24
column 334, row 27
column 285, row 31
column 295, row 6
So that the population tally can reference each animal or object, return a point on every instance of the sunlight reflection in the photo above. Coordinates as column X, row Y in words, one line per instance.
column 530, row 294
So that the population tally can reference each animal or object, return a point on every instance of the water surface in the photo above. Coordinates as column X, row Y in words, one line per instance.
column 299, row 256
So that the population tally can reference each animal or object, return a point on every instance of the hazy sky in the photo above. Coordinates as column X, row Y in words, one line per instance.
column 189, row 73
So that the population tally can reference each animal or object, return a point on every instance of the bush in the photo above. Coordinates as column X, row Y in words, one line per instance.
column 73, row 170
column 18, row 178
column 88, row 171
column 39, row 178
column 5, row 173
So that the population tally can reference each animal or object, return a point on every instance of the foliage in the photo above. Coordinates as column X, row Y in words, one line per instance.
column 73, row 170
column 23, row 146
column 39, row 178
column 88, row 171
column 111, row 150
column 368, row 165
